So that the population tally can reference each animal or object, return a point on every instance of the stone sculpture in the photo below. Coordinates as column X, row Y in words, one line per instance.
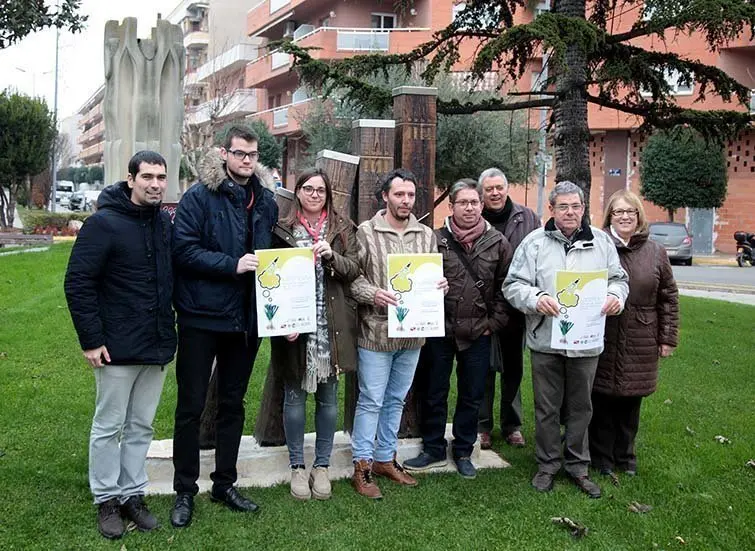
column 143, row 106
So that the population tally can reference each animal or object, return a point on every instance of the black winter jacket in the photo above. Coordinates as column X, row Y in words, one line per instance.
column 209, row 238
column 119, row 281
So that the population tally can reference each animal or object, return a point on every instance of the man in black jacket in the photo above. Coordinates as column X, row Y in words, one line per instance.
column 219, row 224
column 119, row 287
column 514, row 221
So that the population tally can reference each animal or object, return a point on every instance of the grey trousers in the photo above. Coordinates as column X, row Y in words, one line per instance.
column 560, row 381
column 127, row 398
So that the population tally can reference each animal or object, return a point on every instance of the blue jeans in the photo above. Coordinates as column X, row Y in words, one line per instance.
column 326, row 416
column 384, row 380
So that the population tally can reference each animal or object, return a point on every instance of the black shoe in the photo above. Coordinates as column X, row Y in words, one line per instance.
column 542, row 481
column 465, row 467
column 586, row 485
column 109, row 521
column 180, row 517
column 234, row 500
column 423, row 462
column 136, row 511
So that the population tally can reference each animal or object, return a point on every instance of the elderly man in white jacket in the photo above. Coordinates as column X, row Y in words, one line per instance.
column 562, row 379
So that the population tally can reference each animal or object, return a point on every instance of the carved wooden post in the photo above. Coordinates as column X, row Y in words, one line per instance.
column 373, row 140
column 342, row 171
column 414, row 109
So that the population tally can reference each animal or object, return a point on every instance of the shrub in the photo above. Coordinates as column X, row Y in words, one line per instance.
column 50, row 223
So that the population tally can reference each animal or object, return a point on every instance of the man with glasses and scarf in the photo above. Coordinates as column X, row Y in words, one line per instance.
column 562, row 379
column 220, row 223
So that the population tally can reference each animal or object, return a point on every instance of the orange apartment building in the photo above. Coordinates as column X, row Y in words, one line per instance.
column 92, row 127
column 342, row 29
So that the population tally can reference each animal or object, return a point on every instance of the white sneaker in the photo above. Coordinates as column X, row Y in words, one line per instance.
column 319, row 481
column 299, row 486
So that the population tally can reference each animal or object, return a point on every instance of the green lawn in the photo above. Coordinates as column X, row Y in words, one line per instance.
column 701, row 490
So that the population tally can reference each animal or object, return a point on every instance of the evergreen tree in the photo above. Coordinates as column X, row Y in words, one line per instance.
column 678, row 168
column 587, row 62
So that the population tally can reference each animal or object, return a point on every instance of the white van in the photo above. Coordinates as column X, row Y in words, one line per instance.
column 64, row 190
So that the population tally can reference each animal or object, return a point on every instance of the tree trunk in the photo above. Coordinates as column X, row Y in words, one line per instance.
column 671, row 214
column 3, row 202
column 571, row 133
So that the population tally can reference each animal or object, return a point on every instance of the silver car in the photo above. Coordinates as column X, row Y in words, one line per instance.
column 675, row 238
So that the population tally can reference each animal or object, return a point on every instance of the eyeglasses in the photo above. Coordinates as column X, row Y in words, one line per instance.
column 241, row 155
column 464, row 204
column 564, row 208
column 311, row 190
column 618, row 213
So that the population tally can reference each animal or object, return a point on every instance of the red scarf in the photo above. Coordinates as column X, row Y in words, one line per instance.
column 467, row 236
column 313, row 232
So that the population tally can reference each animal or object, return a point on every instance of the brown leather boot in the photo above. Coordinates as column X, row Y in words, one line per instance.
column 393, row 471
column 363, row 482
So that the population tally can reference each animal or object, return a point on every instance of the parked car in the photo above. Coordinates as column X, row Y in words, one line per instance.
column 78, row 201
column 675, row 238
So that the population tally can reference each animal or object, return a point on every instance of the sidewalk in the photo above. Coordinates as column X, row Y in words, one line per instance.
column 715, row 259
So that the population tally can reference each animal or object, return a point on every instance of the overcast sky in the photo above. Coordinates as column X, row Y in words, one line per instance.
column 81, row 66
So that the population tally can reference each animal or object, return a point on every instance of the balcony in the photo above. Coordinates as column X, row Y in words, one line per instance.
column 335, row 43
column 94, row 115
column 196, row 39
column 270, row 13
column 92, row 154
column 284, row 119
column 94, row 133
column 239, row 103
column 233, row 59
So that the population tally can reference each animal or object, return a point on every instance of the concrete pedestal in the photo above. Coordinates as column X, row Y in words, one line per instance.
column 264, row 467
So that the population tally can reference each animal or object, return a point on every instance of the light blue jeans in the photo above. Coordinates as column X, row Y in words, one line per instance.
column 127, row 398
column 326, row 417
column 384, row 380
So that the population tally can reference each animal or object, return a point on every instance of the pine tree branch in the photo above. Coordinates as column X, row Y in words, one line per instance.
column 455, row 107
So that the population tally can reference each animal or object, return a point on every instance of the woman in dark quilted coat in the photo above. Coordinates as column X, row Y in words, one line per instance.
column 635, row 340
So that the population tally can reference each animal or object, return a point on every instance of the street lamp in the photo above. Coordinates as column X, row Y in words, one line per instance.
column 33, row 78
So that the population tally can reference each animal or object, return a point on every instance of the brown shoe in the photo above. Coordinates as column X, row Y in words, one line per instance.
column 393, row 471
column 486, row 442
column 363, row 482
column 586, row 485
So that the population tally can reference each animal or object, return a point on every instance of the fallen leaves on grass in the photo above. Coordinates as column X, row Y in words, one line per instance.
column 2, row 453
column 576, row 529
column 722, row 439
column 3, row 355
column 637, row 507
column 680, row 540
column 689, row 431
column 668, row 401
column 750, row 463
column 716, row 363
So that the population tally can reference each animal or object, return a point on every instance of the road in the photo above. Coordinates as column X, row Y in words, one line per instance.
column 722, row 278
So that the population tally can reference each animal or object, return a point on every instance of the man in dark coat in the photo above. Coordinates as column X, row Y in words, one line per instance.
column 514, row 221
column 219, row 224
column 119, row 287
column 476, row 258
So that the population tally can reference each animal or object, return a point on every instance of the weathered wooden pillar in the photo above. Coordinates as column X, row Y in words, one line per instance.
column 373, row 140
column 414, row 109
column 342, row 171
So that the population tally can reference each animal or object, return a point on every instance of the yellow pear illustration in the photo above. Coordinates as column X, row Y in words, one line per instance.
column 568, row 297
column 269, row 278
column 401, row 282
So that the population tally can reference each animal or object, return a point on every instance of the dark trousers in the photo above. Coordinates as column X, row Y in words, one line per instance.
column 562, row 388
column 471, row 369
column 512, row 351
column 613, row 429
column 197, row 348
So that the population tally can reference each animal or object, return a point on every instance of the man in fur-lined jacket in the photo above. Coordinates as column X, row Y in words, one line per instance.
column 220, row 222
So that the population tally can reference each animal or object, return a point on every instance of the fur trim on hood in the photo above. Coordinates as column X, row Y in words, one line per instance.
column 212, row 172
